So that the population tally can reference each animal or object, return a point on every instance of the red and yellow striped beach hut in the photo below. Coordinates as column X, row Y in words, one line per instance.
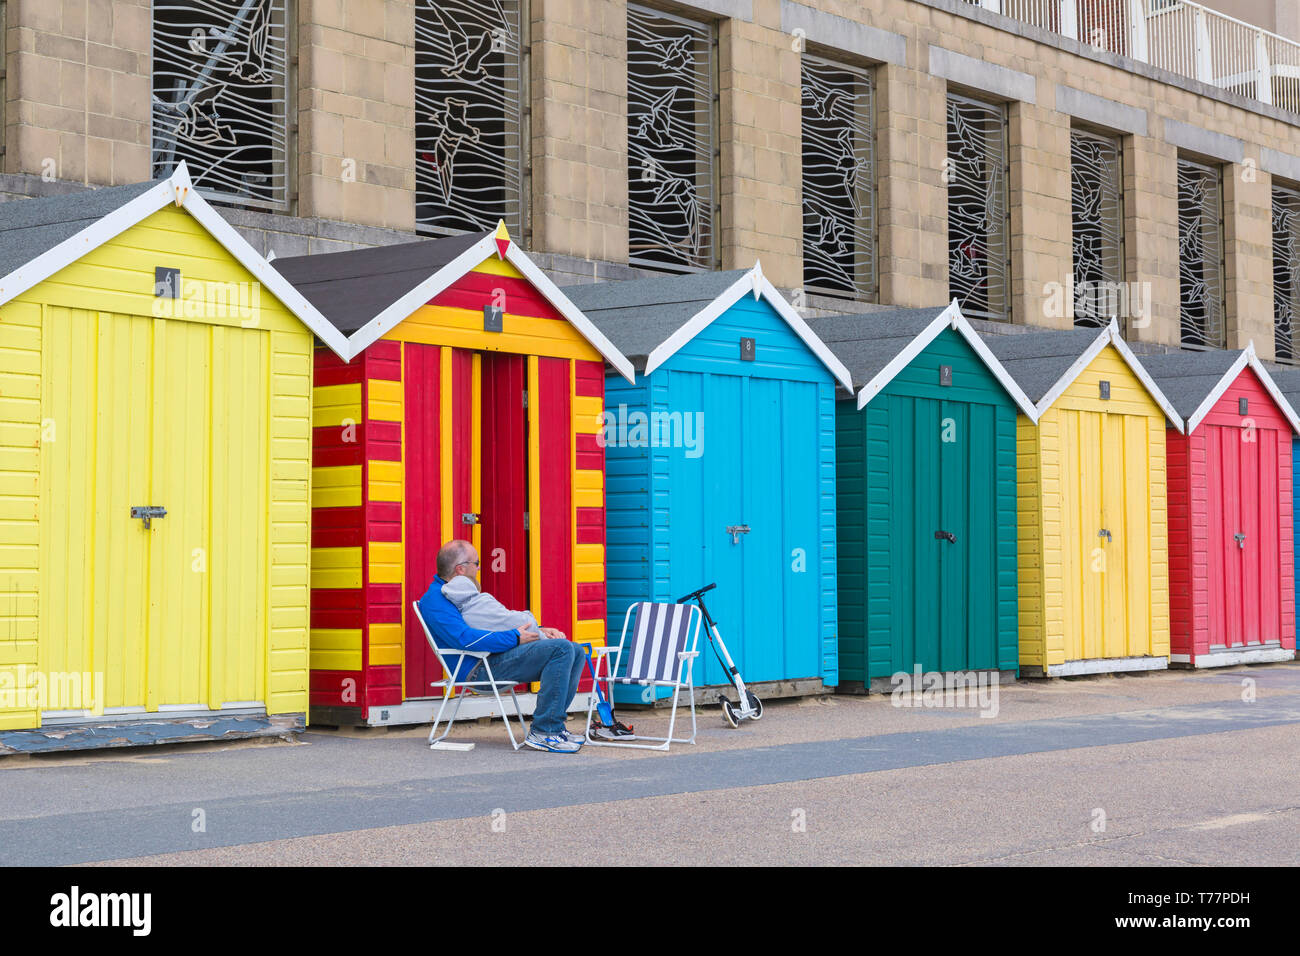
column 470, row 408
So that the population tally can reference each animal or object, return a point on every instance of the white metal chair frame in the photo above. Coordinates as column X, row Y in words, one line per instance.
column 450, row 685
column 685, row 666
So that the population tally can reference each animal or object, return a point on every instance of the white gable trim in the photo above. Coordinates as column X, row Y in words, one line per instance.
column 1110, row 336
column 755, row 283
column 1143, row 375
column 1247, row 358
column 264, row 272
column 1282, row 403
column 1074, row 371
column 178, row 189
column 621, row 363
column 1216, row 393
column 401, row 309
column 950, row 317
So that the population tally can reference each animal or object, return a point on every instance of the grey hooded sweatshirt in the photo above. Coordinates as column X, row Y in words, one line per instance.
column 483, row 610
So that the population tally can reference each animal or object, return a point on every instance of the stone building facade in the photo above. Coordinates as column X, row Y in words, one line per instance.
column 337, row 82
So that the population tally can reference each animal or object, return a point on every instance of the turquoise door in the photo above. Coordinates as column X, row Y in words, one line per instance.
column 756, row 469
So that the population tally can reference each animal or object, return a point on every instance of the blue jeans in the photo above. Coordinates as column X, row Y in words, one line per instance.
column 556, row 663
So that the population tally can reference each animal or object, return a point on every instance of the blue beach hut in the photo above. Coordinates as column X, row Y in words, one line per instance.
column 720, row 467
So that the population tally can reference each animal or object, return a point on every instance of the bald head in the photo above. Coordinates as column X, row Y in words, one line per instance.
column 451, row 554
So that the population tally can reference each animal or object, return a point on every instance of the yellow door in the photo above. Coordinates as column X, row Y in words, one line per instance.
column 1115, row 542
column 1106, row 535
column 1082, row 555
column 171, row 414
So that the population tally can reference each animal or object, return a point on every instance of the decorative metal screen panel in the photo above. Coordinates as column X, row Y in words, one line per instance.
column 219, row 95
column 1286, row 273
column 1200, row 254
column 976, row 174
column 670, row 140
column 1096, row 196
column 468, row 115
column 839, row 195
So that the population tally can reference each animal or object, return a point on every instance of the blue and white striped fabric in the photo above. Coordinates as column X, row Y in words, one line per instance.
column 660, row 635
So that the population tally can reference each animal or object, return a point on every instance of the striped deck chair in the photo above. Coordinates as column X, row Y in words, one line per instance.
column 662, row 654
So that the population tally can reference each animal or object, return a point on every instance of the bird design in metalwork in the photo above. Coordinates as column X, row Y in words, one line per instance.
column 252, row 68
column 675, row 191
column 674, row 54
column 832, row 235
column 200, row 122
column 825, row 103
column 467, row 54
column 656, row 128
column 850, row 166
column 452, row 128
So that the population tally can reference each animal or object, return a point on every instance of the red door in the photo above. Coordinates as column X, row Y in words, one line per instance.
column 1243, row 497
column 490, row 515
column 504, row 549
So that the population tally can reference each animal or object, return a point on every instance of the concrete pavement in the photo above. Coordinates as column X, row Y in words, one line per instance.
column 1159, row 768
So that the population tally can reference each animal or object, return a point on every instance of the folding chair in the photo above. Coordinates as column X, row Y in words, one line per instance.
column 658, row 657
column 450, row 683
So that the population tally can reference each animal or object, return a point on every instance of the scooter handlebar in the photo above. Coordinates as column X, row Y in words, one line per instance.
column 695, row 594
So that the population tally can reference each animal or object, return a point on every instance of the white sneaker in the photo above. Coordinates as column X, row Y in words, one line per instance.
column 553, row 743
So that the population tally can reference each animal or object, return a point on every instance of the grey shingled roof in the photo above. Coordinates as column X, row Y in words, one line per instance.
column 31, row 227
column 1037, row 360
column 1288, row 383
column 1187, row 378
column 351, row 288
column 866, row 343
column 641, row 314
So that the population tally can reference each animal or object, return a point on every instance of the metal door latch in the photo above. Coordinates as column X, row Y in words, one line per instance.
column 469, row 517
column 1240, row 539
column 736, row 530
column 148, row 512
column 1103, row 533
column 945, row 536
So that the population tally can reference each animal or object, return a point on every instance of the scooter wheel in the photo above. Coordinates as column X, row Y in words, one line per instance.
column 728, row 711
column 756, row 705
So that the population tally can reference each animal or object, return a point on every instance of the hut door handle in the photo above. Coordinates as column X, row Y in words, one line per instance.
column 1103, row 533
column 469, row 517
column 147, row 513
column 736, row 530
column 1241, row 540
column 945, row 536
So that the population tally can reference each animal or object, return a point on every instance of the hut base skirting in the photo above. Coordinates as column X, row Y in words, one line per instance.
column 148, row 730
column 1223, row 657
column 413, row 712
column 887, row 685
column 1096, row 665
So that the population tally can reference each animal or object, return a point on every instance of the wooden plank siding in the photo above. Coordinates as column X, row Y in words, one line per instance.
column 425, row 397
column 768, row 454
column 1091, row 465
column 1233, row 474
column 922, row 458
column 211, row 394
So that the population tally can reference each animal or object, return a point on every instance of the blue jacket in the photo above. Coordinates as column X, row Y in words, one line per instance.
column 449, row 629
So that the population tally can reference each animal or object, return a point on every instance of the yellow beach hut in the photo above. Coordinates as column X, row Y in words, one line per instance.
column 155, row 430
column 1093, row 535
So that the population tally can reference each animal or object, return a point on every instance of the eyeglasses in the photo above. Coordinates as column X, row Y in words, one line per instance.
column 470, row 564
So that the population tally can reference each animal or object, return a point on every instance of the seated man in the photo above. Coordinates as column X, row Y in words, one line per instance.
column 460, row 616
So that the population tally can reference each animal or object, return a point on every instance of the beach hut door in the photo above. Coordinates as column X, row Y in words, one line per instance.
column 500, row 531
column 1242, row 497
column 165, row 415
